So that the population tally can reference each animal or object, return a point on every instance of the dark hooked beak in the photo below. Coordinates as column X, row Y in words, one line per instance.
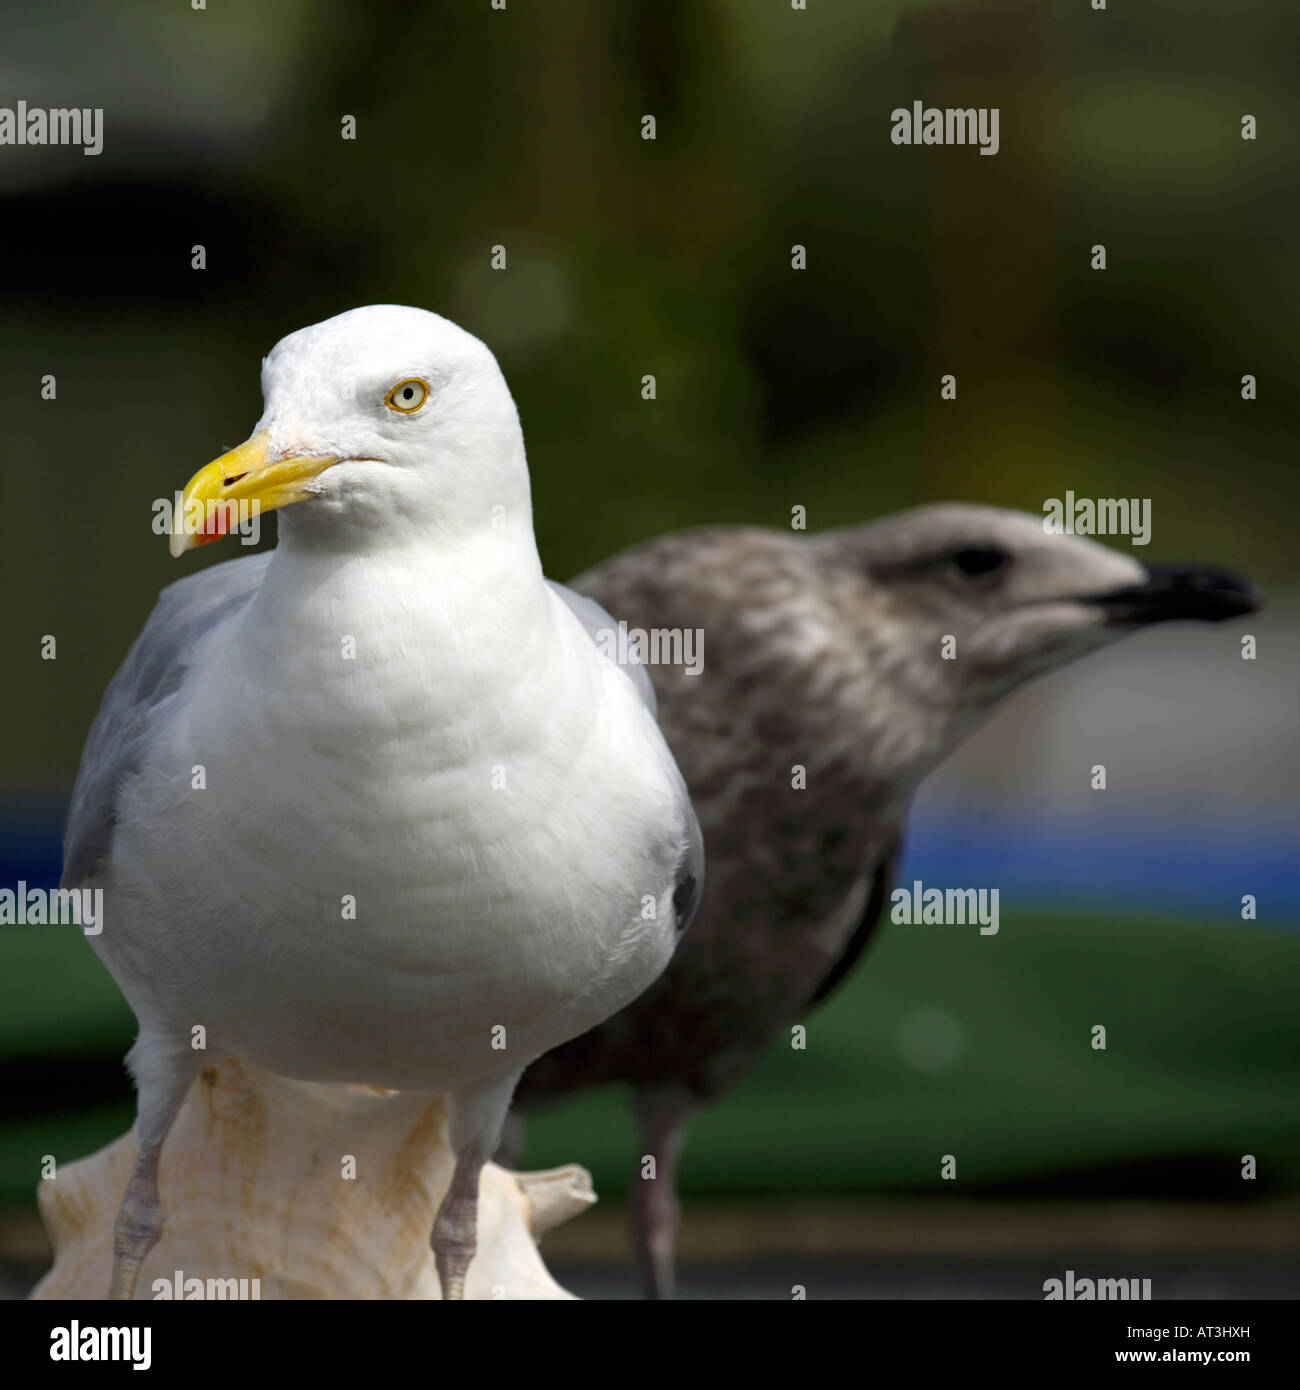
column 1181, row 591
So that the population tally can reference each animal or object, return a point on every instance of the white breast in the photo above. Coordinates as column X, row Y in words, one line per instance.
column 413, row 865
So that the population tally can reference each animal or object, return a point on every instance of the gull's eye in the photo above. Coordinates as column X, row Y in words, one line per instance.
column 407, row 396
column 975, row 560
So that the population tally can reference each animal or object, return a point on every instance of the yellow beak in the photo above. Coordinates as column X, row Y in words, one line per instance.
column 245, row 481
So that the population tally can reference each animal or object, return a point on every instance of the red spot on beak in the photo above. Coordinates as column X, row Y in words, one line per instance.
column 214, row 527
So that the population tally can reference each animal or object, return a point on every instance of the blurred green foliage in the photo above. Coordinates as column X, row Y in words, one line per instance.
column 629, row 257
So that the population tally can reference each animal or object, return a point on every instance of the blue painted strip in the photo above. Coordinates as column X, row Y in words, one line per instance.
column 1192, row 869
column 1200, row 869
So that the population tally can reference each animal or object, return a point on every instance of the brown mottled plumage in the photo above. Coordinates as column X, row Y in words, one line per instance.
column 822, row 653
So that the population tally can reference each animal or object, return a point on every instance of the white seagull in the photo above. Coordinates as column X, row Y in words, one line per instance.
column 374, row 807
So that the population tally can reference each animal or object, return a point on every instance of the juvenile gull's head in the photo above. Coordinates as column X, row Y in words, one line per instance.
column 965, row 603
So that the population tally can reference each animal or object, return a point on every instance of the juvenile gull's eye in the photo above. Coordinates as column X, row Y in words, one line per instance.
column 974, row 560
column 407, row 396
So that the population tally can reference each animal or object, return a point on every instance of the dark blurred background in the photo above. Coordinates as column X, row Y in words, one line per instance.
column 775, row 388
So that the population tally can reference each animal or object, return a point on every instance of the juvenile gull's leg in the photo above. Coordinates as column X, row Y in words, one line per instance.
column 662, row 1117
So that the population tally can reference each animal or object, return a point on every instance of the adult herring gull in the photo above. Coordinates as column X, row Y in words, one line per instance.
column 374, row 807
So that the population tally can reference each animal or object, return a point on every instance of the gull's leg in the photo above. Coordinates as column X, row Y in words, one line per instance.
column 661, row 1117
column 163, row 1075
column 475, row 1117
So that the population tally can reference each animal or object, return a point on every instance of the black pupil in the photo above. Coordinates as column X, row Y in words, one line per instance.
column 978, row 559
column 408, row 393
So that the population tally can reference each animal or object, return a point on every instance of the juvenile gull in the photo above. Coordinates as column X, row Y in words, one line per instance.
column 392, row 711
column 823, row 652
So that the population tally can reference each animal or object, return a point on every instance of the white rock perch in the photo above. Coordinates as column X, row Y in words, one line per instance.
column 253, row 1180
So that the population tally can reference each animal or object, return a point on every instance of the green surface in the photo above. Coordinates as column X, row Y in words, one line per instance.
column 943, row 1042
column 55, row 996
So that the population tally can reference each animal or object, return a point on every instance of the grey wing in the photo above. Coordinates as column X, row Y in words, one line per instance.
column 690, row 873
column 881, row 878
column 137, row 695
column 596, row 621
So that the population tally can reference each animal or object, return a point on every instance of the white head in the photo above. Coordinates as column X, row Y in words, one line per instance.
column 383, row 419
